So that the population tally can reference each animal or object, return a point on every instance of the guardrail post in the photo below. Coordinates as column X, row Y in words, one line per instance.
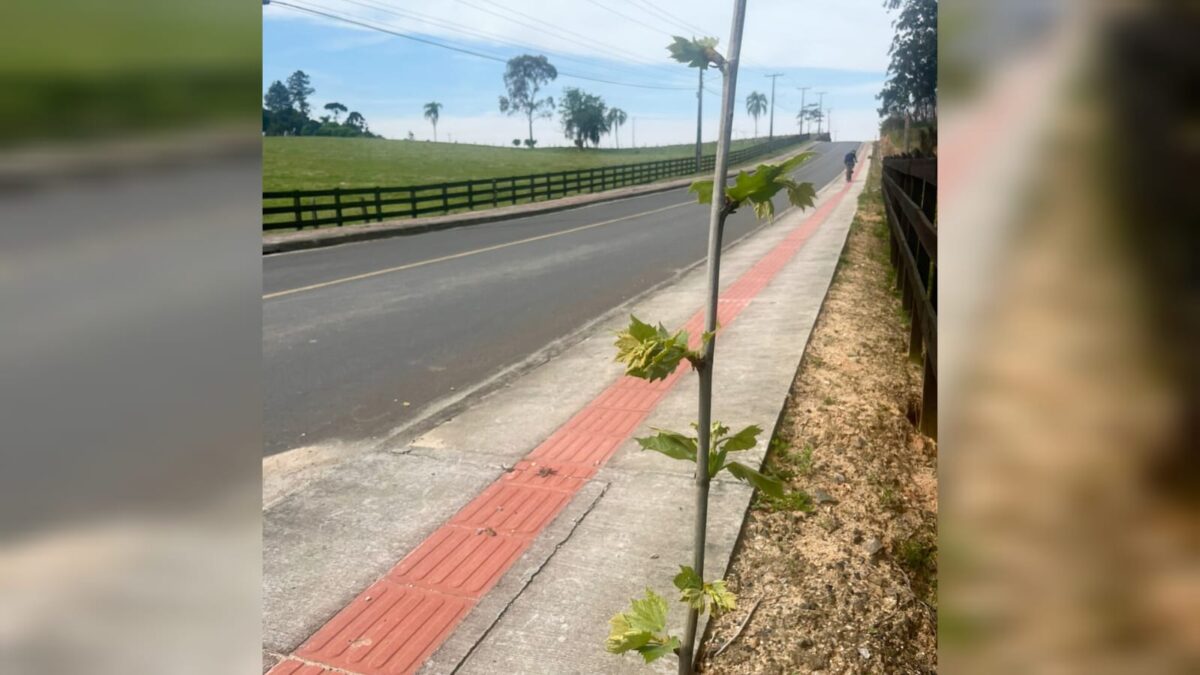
column 337, row 205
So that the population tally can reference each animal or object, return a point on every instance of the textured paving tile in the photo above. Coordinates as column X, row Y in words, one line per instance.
column 388, row 629
column 461, row 561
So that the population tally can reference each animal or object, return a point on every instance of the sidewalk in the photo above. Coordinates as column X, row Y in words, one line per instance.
column 523, row 577
column 297, row 240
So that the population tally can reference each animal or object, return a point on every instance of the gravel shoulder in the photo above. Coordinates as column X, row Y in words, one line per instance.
column 842, row 573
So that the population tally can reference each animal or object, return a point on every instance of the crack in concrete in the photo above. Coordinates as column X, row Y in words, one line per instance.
column 532, row 577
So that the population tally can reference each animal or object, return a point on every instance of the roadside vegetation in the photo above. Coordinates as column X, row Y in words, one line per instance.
column 843, row 572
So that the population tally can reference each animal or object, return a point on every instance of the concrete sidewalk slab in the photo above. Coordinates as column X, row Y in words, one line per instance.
column 329, row 540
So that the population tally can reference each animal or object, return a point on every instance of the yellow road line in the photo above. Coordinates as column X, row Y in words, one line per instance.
column 464, row 254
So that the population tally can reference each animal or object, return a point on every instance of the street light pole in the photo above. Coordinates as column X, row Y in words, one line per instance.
column 771, row 130
column 820, row 107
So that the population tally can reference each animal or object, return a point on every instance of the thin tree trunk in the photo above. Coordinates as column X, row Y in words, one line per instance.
column 716, row 224
column 530, row 115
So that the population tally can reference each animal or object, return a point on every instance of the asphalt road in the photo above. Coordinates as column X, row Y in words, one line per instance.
column 351, row 333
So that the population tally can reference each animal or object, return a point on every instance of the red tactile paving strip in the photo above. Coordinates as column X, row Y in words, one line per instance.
column 294, row 667
column 393, row 626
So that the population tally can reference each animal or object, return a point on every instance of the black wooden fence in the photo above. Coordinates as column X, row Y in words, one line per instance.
column 910, row 197
column 341, row 206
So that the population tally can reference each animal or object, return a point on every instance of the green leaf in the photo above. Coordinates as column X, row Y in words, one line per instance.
column 687, row 578
column 671, row 444
column 651, row 353
column 759, row 187
column 801, row 194
column 703, row 190
column 743, row 440
column 696, row 53
column 767, row 484
column 691, row 588
column 720, row 598
column 714, row 597
column 642, row 629
column 653, row 652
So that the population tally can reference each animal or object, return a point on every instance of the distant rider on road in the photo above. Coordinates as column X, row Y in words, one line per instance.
column 850, row 160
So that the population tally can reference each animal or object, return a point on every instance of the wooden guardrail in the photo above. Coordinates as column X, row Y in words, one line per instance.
column 340, row 206
column 910, row 199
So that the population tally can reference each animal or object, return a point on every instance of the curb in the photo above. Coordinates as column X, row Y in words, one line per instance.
column 353, row 233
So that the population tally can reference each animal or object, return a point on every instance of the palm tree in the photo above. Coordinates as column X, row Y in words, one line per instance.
column 615, row 118
column 756, row 105
column 433, row 110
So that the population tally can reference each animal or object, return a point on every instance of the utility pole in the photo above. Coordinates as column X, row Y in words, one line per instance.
column 634, row 134
column 831, row 125
column 820, row 103
column 803, row 91
column 699, row 116
column 771, row 130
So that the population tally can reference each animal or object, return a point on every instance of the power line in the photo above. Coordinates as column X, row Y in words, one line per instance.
column 639, row 22
column 560, row 32
column 671, row 18
column 461, row 50
column 450, row 26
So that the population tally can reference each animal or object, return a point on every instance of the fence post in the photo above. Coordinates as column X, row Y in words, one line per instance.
column 928, row 423
column 470, row 195
column 378, row 206
column 337, row 205
column 296, row 206
column 412, row 203
column 493, row 193
column 445, row 200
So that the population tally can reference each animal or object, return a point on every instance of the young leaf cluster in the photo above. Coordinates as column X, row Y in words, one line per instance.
column 652, row 353
column 678, row 446
column 696, row 52
column 760, row 186
column 642, row 629
column 704, row 597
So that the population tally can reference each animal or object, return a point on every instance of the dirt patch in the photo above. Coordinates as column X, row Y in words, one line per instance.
column 845, row 567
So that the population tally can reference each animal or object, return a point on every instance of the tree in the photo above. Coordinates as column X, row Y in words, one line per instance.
column 433, row 111
column 615, row 117
column 583, row 116
column 756, row 105
column 298, row 87
column 336, row 109
column 911, row 87
column 516, row 142
column 357, row 121
column 653, row 353
column 524, row 77
column 277, row 99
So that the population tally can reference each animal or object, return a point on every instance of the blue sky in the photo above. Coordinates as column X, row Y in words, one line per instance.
column 839, row 48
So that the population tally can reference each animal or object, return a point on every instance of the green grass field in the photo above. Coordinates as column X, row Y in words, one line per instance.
column 308, row 163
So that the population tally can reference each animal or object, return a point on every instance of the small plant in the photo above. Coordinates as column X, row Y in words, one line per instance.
column 794, row 501
column 653, row 353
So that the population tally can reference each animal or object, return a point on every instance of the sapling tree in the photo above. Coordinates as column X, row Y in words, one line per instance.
column 653, row 352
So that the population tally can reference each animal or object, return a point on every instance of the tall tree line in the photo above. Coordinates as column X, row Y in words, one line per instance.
column 911, row 87
column 286, row 110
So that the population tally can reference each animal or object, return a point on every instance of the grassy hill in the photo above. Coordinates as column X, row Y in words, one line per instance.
column 291, row 163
